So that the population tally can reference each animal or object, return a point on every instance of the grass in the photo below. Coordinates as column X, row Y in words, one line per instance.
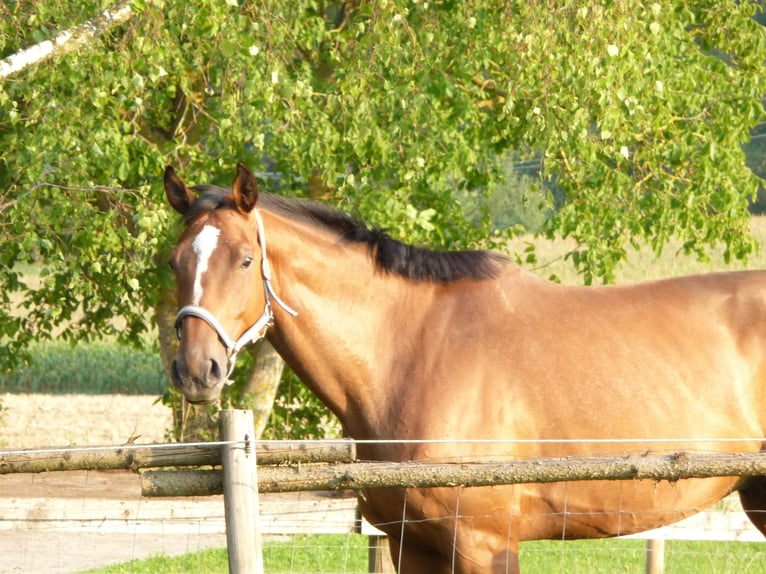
column 87, row 368
column 348, row 553
column 629, row 556
column 212, row 561
column 318, row 553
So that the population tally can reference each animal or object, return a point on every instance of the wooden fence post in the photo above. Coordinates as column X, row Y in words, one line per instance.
column 240, row 492
column 379, row 556
column 655, row 556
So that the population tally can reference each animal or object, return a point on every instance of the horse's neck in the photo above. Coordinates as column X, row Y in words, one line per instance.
column 341, row 343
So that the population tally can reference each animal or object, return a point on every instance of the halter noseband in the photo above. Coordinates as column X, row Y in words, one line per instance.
column 258, row 330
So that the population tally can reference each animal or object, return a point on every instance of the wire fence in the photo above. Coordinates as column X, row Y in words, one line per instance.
column 88, row 518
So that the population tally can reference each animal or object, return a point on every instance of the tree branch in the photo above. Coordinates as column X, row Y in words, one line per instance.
column 67, row 41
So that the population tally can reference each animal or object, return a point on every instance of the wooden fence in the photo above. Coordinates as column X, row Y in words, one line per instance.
column 288, row 466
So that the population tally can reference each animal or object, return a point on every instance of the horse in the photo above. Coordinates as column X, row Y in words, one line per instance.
column 465, row 356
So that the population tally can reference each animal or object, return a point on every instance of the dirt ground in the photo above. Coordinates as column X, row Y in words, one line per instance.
column 32, row 421
column 34, row 539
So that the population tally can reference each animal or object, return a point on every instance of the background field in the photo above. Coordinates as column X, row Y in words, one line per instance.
column 641, row 265
column 334, row 554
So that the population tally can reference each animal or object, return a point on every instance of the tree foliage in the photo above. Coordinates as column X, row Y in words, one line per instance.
column 393, row 110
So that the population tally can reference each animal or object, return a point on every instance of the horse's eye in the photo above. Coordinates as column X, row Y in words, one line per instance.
column 247, row 262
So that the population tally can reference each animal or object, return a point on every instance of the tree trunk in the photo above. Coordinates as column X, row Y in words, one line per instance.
column 261, row 386
column 165, row 313
column 66, row 41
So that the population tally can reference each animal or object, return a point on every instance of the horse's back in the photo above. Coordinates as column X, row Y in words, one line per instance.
column 675, row 358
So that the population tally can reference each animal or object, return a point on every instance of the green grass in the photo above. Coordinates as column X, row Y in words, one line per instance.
column 317, row 553
column 88, row 368
column 211, row 561
column 348, row 553
column 629, row 556
column 309, row 553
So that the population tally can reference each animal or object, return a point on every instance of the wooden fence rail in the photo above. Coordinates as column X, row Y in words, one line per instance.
column 291, row 466
column 165, row 455
column 364, row 475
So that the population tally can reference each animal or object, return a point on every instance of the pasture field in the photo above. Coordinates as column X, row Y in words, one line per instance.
column 641, row 265
column 96, row 368
column 348, row 553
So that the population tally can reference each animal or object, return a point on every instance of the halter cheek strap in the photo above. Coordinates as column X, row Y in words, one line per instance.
column 258, row 330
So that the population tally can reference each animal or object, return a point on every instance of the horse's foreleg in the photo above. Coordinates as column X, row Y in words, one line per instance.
column 752, row 494
column 508, row 561
column 413, row 559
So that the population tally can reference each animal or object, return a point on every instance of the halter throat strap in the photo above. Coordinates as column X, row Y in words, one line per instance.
column 257, row 331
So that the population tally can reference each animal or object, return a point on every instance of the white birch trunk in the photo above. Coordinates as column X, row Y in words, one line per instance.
column 66, row 41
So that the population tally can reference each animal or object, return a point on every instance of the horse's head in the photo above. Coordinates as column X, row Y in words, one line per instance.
column 221, row 287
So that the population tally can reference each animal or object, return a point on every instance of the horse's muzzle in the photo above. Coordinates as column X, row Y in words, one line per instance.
column 202, row 387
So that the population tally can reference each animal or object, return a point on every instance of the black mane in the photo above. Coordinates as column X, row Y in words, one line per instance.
column 390, row 255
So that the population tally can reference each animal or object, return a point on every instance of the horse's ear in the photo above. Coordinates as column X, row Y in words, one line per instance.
column 245, row 189
column 179, row 196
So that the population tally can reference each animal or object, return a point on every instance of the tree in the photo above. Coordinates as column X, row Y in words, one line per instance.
column 392, row 110
column 67, row 41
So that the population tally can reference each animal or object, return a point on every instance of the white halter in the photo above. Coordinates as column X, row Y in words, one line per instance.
column 259, row 328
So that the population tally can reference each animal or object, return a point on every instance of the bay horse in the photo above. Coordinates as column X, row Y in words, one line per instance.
column 423, row 347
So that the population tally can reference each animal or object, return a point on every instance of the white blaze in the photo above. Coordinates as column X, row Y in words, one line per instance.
column 203, row 245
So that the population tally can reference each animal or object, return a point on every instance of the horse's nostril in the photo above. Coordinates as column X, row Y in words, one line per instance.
column 175, row 376
column 215, row 372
